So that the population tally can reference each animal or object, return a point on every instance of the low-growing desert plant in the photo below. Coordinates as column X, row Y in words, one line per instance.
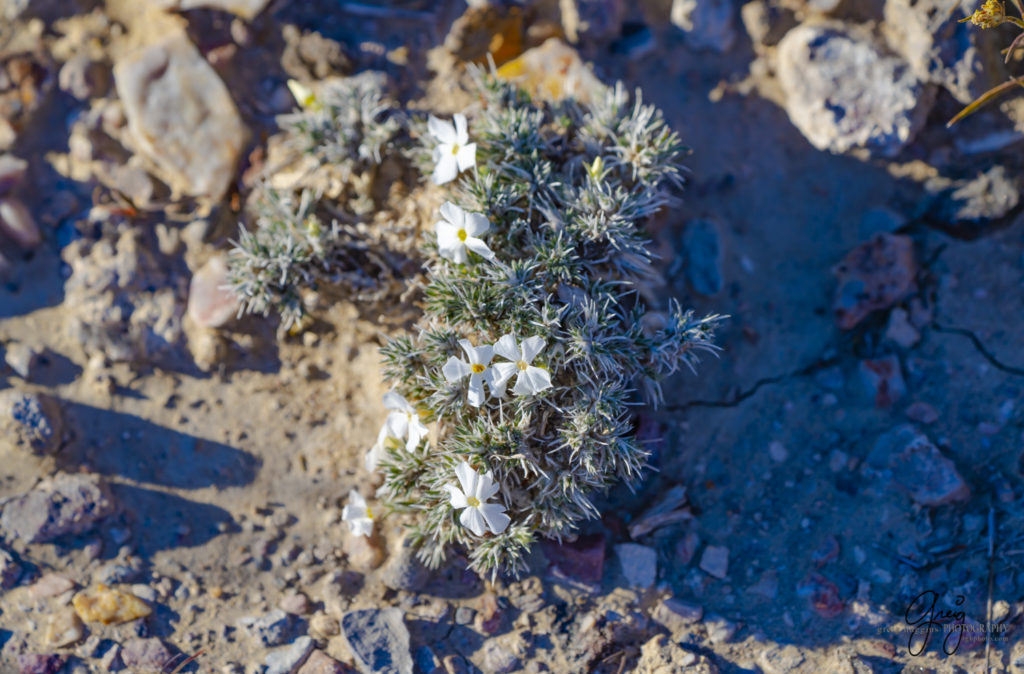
column 313, row 235
column 533, row 341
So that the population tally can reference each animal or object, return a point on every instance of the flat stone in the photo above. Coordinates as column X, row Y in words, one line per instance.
column 676, row 615
column 288, row 660
column 378, row 640
column 21, row 358
column 146, row 655
column 767, row 585
column 295, row 603
column 844, row 92
column 50, row 585
column 29, row 422
column 874, row 275
column 918, row 467
column 17, row 222
column 181, row 115
column 211, row 303
column 715, row 561
column 67, row 504
column 271, row 629
column 639, row 564
column 64, row 629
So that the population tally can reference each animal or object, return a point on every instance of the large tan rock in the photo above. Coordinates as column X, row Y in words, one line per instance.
column 180, row 115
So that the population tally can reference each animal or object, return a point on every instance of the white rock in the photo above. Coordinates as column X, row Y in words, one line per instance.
column 288, row 660
column 210, row 303
column 939, row 48
column 17, row 223
column 843, row 92
column 181, row 116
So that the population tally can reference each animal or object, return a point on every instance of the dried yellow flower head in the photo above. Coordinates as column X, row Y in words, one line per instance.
column 989, row 15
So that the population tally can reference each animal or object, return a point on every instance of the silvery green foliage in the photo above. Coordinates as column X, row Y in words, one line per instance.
column 566, row 188
column 350, row 132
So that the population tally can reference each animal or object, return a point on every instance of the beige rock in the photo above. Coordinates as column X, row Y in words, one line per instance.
column 108, row 606
column 211, row 303
column 50, row 585
column 64, row 629
column 180, row 115
column 364, row 552
column 553, row 71
column 323, row 625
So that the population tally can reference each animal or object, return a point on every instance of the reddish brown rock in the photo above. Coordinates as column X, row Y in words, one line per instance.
column 873, row 276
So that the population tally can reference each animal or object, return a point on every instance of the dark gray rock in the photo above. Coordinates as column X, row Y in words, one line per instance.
column 146, row 655
column 908, row 459
column 29, row 422
column 271, row 629
column 403, row 571
column 67, row 504
column 379, row 640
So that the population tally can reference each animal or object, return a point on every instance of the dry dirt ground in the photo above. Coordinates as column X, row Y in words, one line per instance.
column 230, row 482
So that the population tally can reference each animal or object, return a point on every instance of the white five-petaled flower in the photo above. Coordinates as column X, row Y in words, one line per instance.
column 358, row 515
column 454, row 152
column 477, row 515
column 476, row 368
column 460, row 231
column 403, row 423
column 531, row 379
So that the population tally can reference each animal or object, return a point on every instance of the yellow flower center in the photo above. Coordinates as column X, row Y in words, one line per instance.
column 473, row 501
column 522, row 365
column 989, row 15
column 455, row 149
column 477, row 368
column 462, row 235
column 369, row 514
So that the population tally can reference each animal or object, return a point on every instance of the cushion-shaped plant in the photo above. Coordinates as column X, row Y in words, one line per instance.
column 533, row 341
